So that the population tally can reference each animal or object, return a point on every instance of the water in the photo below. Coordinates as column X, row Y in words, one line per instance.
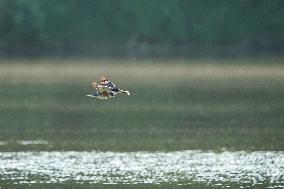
column 181, row 167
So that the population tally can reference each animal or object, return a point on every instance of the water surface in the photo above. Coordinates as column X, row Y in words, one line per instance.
column 181, row 167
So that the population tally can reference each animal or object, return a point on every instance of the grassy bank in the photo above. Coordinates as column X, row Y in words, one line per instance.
column 176, row 106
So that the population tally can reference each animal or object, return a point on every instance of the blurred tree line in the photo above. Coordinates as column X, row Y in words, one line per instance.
column 141, row 27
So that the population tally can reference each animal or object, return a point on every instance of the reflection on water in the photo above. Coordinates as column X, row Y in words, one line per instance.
column 32, row 142
column 25, row 142
column 181, row 167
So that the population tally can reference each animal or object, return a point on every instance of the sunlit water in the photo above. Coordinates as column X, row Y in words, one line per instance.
column 181, row 167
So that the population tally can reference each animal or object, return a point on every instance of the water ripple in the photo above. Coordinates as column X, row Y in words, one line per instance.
column 182, row 167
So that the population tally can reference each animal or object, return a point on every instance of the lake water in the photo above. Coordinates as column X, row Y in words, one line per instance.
column 181, row 167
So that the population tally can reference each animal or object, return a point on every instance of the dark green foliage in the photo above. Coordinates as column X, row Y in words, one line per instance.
column 31, row 26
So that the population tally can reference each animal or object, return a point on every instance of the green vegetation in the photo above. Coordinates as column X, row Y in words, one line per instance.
column 110, row 27
column 186, row 105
